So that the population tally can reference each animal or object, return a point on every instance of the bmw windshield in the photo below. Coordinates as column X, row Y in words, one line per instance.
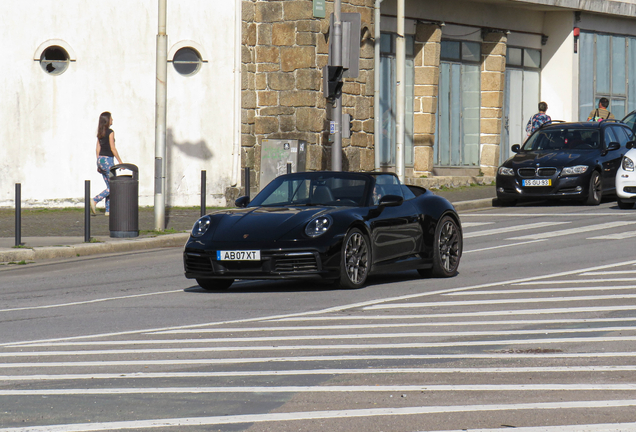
column 563, row 139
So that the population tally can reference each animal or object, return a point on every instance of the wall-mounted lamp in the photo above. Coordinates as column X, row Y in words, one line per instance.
column 544, row 39
column 576, row 33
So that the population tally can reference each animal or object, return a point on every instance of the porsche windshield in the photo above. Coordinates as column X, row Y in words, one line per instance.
column 327, row 190
column 563, row 139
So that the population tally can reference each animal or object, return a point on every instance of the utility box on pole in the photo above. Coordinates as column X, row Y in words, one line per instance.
column 277, row 153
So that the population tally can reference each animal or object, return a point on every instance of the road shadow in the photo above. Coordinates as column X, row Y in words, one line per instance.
column 552, row 203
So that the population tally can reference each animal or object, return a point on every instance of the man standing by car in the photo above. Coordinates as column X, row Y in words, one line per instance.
column 539, row 119
column 601, row 113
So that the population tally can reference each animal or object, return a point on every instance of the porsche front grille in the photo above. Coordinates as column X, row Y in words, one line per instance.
column 295, row 262
column 196, row 263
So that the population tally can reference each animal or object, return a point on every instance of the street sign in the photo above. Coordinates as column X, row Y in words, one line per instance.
column 319, row 9
column 332, row 127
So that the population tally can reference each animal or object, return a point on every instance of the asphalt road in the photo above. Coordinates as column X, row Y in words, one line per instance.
column 537, row 332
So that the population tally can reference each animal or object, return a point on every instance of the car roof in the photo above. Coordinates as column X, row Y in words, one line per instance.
column 582, row 125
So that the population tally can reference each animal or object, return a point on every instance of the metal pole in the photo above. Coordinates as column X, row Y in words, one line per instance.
column 336, row 149
column 377, row 114
column 18, row 214
column 87, row 211
column 400, row 57
column 203, row 192
column 289, row 168
column 160, row 120
column 247, row 182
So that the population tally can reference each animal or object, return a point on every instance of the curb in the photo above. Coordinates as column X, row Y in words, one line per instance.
column 477, row 204
column 85, row 249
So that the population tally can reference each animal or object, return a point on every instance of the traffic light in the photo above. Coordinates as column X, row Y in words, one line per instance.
column 346, row 125
column 332, row 81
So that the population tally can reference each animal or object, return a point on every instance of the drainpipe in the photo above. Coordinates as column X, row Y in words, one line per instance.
column 236, row 145
column 160, row 119
column 400, row 57
column 377, row 120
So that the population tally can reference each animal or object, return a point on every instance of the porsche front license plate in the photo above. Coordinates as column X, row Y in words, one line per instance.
column 253, row 255
column 546, row 182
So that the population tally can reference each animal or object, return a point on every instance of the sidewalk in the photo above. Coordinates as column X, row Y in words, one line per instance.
column 59, row 233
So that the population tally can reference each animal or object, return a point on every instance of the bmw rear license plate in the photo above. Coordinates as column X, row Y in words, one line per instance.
column 253, row 255
column 542, row 182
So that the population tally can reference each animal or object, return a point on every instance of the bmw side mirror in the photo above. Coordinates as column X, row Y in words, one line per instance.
column 629, row 145
column 391, row 201
column 613, row 146
column 242, row 202
column 515, row 148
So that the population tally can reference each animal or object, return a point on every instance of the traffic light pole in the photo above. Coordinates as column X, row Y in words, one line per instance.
column 336, row 148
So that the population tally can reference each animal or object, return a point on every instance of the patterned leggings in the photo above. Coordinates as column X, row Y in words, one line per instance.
column 105, row 163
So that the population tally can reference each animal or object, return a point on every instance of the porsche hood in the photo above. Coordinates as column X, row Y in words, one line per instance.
column 261, row 224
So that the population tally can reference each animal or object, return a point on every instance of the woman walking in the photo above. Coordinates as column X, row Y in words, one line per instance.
column 105, row 153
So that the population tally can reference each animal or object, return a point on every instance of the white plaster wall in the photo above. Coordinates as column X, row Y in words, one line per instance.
column 48, row 123
column 560, row 72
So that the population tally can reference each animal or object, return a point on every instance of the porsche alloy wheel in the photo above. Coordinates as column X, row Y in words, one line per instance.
column 215, row 284
column 595, row 189
column 355, row 260
column 447, row 249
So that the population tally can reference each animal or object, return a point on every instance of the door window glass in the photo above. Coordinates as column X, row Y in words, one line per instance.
column 608, row 136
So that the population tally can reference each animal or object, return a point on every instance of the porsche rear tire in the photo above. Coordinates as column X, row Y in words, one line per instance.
column 447, row 249
column 215, row 284
column 355, row 261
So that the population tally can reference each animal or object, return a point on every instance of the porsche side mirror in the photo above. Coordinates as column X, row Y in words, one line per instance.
column 242, row 202
column 391, row 201
column 515, row 148
column 629, row 145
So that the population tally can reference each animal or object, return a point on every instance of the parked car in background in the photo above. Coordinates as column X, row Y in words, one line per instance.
column 337, row 226
column 565, row 161
column 626, row 179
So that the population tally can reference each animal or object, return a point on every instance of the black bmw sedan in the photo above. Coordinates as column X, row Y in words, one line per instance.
column 565, row 160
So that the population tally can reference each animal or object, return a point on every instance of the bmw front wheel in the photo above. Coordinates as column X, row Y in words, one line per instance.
column 595, row 189
column 355, row 261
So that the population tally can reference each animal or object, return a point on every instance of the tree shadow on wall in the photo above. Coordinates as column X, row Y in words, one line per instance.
column 196, row 150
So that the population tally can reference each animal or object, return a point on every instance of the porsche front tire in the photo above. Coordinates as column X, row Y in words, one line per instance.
column 447, row 248
column 215, row 284
column 355, row 260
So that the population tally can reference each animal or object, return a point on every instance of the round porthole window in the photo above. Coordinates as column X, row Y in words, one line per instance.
column 54, row 60
column 187, row 61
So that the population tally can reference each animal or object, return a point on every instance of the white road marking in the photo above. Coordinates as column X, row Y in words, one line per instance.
column 313, row 415
column 501, row 246
column 515, row 215
column 322, row 389
column 549, row 311
column 578, row 281
column 474, row 224
column 502, row 301
column 617, row 236
column 578, row 230
column 512, row 229
column 410, row 345
column 391, row 325
column 52, row 306
column 613, row 272
column 304, row 372
column 606, row 427
column 332, row 309
column 321, row 337
column 543, row 290
column 324, row 358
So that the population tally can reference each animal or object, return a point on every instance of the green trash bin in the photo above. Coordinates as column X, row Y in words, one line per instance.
column 124, row 202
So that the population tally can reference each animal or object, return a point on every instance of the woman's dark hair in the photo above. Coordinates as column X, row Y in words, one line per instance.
column 543, row 107
column 104, row 122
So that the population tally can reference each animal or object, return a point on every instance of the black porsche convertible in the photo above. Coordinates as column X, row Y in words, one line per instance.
column 337, row 226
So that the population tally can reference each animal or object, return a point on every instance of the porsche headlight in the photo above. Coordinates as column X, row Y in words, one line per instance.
column 318, row 226
column 579, row 169
column 201, row 226
column 628, row 164
column 506, row 171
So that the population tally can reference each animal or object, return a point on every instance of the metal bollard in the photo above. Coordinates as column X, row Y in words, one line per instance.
column 87, row 211
column 18, row 214
column 203, row 192
column 247, row 181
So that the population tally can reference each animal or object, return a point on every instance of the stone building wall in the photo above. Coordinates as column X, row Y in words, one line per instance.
column 427, row 54
column 493, row 81
column 284, row 50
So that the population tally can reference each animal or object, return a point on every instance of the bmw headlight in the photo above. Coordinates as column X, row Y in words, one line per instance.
column 628, row 164
column 579, row 169
column 318, row 226
column 506, row 171
column 201, row 226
